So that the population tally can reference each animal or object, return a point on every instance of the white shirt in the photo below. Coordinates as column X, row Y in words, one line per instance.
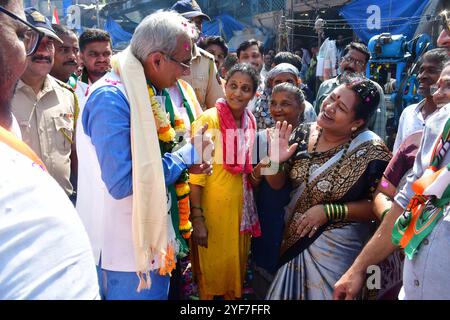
column 177, row 101
column 44, row 249
column 411, row 120
column 107, row 220
column 81, row 91
column 15, row 128
column 427, row 275
column 264, row 73
column 251, row 106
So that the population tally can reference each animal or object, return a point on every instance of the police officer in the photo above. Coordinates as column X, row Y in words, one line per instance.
column 45, row 107
column 204, row 77
column 66, row 57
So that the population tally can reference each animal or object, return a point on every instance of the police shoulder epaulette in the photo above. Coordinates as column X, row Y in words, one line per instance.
column 64, row 85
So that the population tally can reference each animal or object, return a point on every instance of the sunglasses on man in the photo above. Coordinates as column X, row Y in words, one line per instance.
column 32, row 36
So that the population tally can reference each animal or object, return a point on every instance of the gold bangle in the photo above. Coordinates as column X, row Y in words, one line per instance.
column 345, row 211
column 197, row 217
column 252, row 174
column 196, row 207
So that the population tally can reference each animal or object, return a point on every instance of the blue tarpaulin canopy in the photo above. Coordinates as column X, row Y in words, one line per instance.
column 223, row 25
column 369, row 18
column 65, row 5
column 117, row 33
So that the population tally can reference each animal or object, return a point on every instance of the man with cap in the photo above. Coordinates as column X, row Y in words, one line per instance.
column 191, row 11
column 204, row 77
column 45, row 107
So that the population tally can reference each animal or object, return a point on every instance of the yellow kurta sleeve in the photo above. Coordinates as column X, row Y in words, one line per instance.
column 209, row 117
column 197, row 179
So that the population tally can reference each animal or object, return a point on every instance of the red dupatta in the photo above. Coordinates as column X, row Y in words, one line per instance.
column 237, row 146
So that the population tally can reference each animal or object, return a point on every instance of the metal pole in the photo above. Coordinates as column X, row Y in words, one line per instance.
column 292, row 27
column 282, row 35
column 319, row 43
column 98, row 14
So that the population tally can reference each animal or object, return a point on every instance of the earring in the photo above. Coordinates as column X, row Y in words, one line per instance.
column 354, row 129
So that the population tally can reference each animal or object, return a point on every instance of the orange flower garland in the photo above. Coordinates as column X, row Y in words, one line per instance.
column 184, row 210
column 168, row 134
column 165, row 131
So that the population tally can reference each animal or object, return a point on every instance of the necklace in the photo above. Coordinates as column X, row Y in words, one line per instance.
column 333, row 173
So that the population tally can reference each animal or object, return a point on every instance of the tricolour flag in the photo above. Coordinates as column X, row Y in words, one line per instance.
column 55, row 19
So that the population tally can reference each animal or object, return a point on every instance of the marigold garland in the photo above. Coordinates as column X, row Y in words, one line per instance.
column 168, row 135
column 169, row 262
column 165, row 131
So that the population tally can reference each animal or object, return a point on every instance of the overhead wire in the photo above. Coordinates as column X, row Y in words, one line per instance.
column 347, row 25
column 363, row 19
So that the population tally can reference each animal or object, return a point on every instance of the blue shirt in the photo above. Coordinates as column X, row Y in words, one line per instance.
column 106, row 120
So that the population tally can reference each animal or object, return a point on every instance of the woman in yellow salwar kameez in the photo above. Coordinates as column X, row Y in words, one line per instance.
column 223, row 213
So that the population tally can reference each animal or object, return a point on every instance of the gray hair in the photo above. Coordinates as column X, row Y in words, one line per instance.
column 160, row 31
column 289, row 87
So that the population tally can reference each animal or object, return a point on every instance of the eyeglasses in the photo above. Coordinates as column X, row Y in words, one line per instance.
column 184, row 64
column 445, row 20
column 31, row 37
column 349, row 59
column 443, row 86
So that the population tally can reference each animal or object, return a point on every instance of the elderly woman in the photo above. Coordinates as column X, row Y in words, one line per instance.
column 284, row 72
column 334, row 166
column 286, row 104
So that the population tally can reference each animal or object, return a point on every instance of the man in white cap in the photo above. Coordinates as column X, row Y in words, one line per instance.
column 204, row 77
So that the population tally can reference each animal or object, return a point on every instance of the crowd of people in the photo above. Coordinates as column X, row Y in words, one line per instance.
column 119, row 169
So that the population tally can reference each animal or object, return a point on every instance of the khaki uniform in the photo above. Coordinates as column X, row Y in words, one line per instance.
column 46, row 122
column 204, row 79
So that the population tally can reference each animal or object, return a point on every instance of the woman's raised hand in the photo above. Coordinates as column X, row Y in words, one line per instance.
column 279, row 149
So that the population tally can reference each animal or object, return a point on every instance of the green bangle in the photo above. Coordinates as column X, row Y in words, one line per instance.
column 384, row 213
column 336, row 211
column 327, row 211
